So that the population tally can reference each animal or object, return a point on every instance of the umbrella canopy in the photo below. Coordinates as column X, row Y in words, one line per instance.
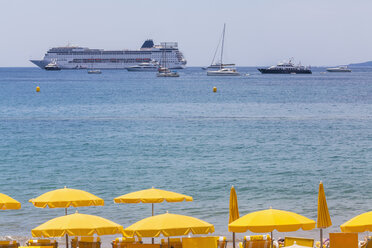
column 324, row 220
column 7, row 203
column 77, row 225
column 360, row 223
column 270, row 220
column 64, row 198
column 152, row 196
column 168, row 225
column 233, row 208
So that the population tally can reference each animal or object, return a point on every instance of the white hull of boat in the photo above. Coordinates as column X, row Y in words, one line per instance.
column 222, row 73
column 94, row 72
column 338, row 70
column 142, row 69
column 168, row 74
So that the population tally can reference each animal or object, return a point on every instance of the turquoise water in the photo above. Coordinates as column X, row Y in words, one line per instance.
column 273, row 137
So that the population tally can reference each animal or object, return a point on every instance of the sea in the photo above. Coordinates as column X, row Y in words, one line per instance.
column 272, row 137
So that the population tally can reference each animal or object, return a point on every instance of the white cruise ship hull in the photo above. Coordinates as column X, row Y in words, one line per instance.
column 102, row 66
column 83, row 58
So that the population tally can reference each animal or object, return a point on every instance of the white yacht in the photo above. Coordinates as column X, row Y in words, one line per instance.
column 75, row 57
column 94, row 72
column 223, row 70
column 146, row 66
column 52, row 66
column 286, row 68
column 339, row 69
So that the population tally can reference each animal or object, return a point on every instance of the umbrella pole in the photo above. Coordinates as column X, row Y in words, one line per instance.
column 152, row 240
column 321, row 238
column 66, row 233
column 168, row 243
column 272, row 240
column 233, row 240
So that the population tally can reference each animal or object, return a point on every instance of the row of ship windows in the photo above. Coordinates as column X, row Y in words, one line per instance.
column 110, row 60
column 114, row 60
column 108, row 53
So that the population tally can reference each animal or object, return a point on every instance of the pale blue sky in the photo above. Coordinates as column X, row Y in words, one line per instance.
column 259, row 32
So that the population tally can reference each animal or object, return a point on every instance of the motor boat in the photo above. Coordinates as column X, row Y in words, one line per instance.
column 286, row 68
column 52, row 66
column 94, row 72
column 146, row 66
column 339, row 69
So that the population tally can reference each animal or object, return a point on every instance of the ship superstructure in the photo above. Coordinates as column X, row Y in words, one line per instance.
column 74, row 57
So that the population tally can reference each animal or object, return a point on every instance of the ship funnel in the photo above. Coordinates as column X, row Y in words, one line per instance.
column 148, row 44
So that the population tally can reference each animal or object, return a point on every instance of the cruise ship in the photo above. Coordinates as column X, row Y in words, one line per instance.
column 74, row 57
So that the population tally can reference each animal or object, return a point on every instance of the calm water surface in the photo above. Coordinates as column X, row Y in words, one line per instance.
column 273, row 137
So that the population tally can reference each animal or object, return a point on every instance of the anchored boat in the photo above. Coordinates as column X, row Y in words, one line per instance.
column 339, row 69
column 52, row 66
column 223, row 69
column 286, row 68
column 146, row 66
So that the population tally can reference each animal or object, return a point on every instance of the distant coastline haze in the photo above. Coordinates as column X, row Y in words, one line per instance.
column 258, row 32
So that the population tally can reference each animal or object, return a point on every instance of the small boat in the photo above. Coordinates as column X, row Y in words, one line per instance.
column 94, row 72
column 52, row 66
column 339, row 69
column 222, row 69
column 165, row 72
column 286, row 68
column 224, row 72
column 146, row 66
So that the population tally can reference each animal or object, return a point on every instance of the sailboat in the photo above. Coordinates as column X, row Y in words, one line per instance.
column 223, row 69
column 94, row 71
column 163, row 70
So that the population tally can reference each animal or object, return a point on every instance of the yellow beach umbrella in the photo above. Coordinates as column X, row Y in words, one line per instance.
column 168, row 225
column 324, row 220
column 270, row 220
column 233, row 209
column 8, row 203
column 66, row 197
column 152, row 196
column 77, row 225
column 360, row 223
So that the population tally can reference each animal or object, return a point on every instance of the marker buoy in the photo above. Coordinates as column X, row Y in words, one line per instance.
column 37, row 89
column 214, row 89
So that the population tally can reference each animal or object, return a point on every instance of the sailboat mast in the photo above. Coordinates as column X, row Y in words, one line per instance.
column 223, row 41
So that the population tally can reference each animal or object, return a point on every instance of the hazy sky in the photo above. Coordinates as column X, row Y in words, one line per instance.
column 259, row 32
